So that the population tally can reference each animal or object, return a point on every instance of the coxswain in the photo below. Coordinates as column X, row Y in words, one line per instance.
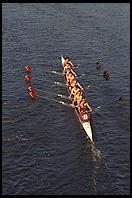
column 84, row 116
column 67, row 60
column 83, row 104
column 77, row 99
column 75, row 83
column 27, row 68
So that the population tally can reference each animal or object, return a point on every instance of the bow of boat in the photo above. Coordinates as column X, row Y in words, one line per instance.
column 62, row 60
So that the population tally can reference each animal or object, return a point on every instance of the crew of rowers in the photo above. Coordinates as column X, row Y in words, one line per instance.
column 74, row 87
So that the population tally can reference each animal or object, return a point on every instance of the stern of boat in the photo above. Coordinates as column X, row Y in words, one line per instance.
column 87, row 128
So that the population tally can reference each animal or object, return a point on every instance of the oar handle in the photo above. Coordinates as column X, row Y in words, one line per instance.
column 66, row 104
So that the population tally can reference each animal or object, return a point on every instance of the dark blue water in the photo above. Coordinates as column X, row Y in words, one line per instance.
column 44, row 148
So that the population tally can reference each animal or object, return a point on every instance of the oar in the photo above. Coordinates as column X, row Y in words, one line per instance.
column 88, row 73
column 55, row 82
column 52, row 71
column 54, row 100
column 76, row 66
column 56, row 94
column 120, row 99
column 64, row 85
column 61, row 74
column 56, row 72
column 105, row 77
column 98, row 81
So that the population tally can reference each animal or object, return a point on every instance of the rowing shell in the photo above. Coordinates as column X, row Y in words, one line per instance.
column 86, row 125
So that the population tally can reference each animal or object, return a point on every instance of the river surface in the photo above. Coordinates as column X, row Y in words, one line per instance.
column 44, row 148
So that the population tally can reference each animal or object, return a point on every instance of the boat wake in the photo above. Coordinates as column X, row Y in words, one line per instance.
column 100, row 172
column 97, row 156
column 95, row 153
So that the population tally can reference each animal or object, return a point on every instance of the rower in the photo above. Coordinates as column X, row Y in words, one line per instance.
column 77, row 99
column 70, row 78
column 75, row 83
column 67, row 67
column 68, row 72
column 74, row 91
column 67, row 60
column 83, row 104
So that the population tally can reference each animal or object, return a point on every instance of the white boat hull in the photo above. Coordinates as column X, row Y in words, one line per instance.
column 86, row 125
